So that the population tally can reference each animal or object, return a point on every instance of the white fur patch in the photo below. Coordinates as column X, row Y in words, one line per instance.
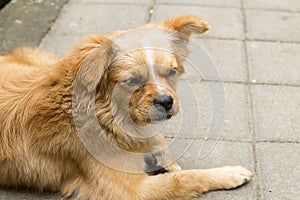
column 149, row 55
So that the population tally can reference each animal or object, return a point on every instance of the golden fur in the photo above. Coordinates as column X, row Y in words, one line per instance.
column 39, row 145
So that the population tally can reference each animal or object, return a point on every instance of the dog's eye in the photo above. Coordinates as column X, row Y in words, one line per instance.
column 172, row 72
column 133, row 82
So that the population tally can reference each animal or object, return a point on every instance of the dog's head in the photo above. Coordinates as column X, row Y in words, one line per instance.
column 134, row 73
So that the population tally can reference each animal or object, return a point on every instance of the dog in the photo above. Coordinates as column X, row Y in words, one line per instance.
column 109, row 91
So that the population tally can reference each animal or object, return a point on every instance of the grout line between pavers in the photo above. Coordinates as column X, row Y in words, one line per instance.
column 273, row 41
column 234, row 140
column 279, row 141
column 247, row 40
column 250, row 83
column 274, row 10
column 209, row 139
column 52, row 23
column 235, row 7
column 198, row 5
column 251, row 120
column 113, row 3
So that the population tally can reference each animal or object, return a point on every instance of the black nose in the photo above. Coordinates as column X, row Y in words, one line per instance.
column 165, row 101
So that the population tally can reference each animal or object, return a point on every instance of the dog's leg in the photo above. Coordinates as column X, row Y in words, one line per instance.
column 192, row 183
column 166, row 157
column 160, row 161
column 185, row 184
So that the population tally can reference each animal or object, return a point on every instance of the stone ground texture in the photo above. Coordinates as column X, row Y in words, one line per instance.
column 255, row 45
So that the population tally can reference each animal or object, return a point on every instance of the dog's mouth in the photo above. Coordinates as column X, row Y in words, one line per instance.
column 158, row 116
column 162, row 108
column 161, row 118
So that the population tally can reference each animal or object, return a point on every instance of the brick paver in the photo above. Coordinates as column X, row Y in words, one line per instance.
column 273, row 25
column 272, row 62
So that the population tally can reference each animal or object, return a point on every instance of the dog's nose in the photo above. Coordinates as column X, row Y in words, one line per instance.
column 165, row 101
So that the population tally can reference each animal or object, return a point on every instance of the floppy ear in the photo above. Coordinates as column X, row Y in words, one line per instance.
column 93, row 67
column 180, row 28
column 186, row 25
column 94, row 63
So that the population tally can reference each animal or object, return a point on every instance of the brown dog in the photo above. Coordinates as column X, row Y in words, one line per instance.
column 47, row 109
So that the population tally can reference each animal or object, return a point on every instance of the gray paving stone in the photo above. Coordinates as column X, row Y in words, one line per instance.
column 199, row 102
column 228, row 3
column 270, row 25
column 273, row 4
column 59, row 44
column 219, row 154
column 224, row 22
column 26, row 195
column 276, row 112
column 222, row 53
column 144, row 2
column 77, row 19
column 274, row 62
column 237, row 110
column 279, row 168
column 25, row 23
column 243, row 193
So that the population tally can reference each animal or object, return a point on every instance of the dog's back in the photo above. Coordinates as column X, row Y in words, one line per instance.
column 22, row 72
column 18, row 70
column 27, row 57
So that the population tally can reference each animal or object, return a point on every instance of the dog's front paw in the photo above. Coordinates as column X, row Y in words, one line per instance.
column 234, row 176
column 174, row 167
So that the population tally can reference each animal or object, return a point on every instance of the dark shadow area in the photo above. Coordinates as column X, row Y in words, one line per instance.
column 26, row 194
column 3, row 3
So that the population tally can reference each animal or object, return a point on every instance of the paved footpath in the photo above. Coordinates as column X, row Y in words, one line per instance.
column 255, row 45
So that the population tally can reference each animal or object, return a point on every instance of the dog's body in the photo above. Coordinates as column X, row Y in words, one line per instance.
column 39, row 144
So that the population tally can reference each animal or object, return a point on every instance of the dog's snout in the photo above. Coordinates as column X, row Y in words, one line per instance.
column 165, row 101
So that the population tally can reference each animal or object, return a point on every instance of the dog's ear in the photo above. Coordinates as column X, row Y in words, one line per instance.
column 186, row 25
column 94, row 65
column 180, row 29
column 96, row 59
